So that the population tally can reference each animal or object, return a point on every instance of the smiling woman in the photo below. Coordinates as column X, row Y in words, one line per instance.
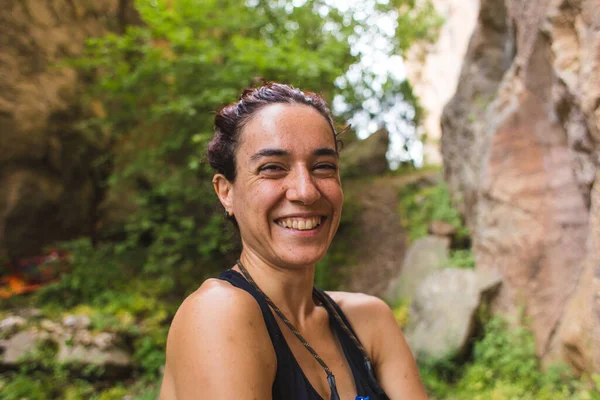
column 262, row 330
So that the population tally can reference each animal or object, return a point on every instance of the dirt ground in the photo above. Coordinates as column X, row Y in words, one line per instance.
column 381, row 242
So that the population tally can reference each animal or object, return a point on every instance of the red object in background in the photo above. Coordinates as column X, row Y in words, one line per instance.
column 29, row 274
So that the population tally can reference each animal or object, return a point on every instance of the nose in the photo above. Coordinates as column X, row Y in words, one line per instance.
column 302, row 188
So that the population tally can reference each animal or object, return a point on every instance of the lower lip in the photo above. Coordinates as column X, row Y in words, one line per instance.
column 305, row 233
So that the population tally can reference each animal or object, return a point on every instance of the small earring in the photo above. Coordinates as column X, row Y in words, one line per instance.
column 227, row 214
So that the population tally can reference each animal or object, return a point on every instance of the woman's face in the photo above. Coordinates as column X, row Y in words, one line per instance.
column 287, row 197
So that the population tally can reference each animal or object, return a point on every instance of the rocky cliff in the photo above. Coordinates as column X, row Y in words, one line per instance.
column 433, row 68
column 49, row 187
column 521, row 150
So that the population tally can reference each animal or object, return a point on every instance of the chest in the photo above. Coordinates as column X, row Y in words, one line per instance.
column 327, row 344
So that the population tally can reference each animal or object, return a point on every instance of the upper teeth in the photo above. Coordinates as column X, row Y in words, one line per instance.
column 301, row 224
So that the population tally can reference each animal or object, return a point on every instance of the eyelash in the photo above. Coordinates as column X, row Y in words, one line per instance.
column 332, row 167
column 270, row 167
column 273, row 167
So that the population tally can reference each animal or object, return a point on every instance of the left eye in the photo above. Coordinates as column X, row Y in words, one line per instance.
column 326, row 167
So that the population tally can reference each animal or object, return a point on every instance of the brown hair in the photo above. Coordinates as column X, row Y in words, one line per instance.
column 231, row 120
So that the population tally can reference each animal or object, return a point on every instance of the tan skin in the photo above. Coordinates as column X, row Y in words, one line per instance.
column 218, row 345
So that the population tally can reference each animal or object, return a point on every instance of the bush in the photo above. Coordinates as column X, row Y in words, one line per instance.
column 504, row 367
column 154, row 91
column 420, row 206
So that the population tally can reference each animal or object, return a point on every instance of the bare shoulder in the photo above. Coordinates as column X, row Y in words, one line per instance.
column 217, row 307
column 358, row 302
column 363, row 308
column 218, row 341
column 377, row 329
column 368, row 315
column 216, row 296
column 216, row 304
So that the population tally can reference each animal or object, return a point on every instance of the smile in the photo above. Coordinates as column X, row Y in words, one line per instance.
column 300, row 224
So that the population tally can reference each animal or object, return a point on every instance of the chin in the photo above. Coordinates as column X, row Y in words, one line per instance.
column 302, row 260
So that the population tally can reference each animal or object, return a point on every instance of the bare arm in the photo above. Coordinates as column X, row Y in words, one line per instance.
column 218, row 348
column 394, row 363
column 379, row 332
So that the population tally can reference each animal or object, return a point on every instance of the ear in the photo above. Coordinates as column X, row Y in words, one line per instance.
column 224, row 190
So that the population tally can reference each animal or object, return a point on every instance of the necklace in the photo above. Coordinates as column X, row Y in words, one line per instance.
column 332, row 310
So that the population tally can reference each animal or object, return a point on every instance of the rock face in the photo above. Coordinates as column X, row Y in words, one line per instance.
column 433, row 68
column 521, row 148
column 443, row 311
column 366, row 157
column 49, row 187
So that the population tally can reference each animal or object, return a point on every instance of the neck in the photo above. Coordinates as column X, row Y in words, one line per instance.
column 289, row 288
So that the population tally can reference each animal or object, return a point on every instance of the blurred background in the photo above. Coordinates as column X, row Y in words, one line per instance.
column 471, row 176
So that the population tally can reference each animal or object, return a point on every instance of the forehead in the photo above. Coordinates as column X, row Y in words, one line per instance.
column 292, row 127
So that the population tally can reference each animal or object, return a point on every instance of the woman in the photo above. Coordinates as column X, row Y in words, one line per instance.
column 262, row 331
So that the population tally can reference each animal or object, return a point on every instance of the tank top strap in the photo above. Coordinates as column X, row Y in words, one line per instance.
column 290, row 382
column 338, row 310
column 237, row 280
column 365, row 379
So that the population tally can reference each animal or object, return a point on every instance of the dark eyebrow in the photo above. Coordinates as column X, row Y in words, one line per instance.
column 321, row 151
column 326, row 151
column 269, row 153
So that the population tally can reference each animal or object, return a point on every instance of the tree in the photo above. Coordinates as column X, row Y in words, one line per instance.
column 159, row 84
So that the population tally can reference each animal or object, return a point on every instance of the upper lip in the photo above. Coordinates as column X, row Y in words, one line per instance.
column 301, row 215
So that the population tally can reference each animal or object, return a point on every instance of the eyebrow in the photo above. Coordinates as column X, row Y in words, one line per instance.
column 326, row 151
column 321, row 151
column 269, row 153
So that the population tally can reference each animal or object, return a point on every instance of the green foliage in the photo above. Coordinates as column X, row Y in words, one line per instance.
column 462, row 258
column 419, row 206
column 95, row 271
column 402, row 312
column 42, row 377
column 152, row 95
column 159, row 86
column 103, row 285
column 40, row 385
column 417, row 21
column 504, row 367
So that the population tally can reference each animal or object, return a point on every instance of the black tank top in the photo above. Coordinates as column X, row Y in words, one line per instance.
column 290, row 382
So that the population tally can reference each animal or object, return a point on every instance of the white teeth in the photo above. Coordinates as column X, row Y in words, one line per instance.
column 301, row 224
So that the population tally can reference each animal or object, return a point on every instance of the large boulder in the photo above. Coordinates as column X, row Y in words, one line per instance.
column 50, row 186
column 424, row 257
column 521, row 148
column 14, row 350
column 100, row 355
column 443, row 311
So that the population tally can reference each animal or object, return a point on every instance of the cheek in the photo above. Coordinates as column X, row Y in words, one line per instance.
column 261, row 198
column 334, row 192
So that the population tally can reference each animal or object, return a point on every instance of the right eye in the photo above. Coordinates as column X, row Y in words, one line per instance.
column 271, row 170
column 270, row 167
